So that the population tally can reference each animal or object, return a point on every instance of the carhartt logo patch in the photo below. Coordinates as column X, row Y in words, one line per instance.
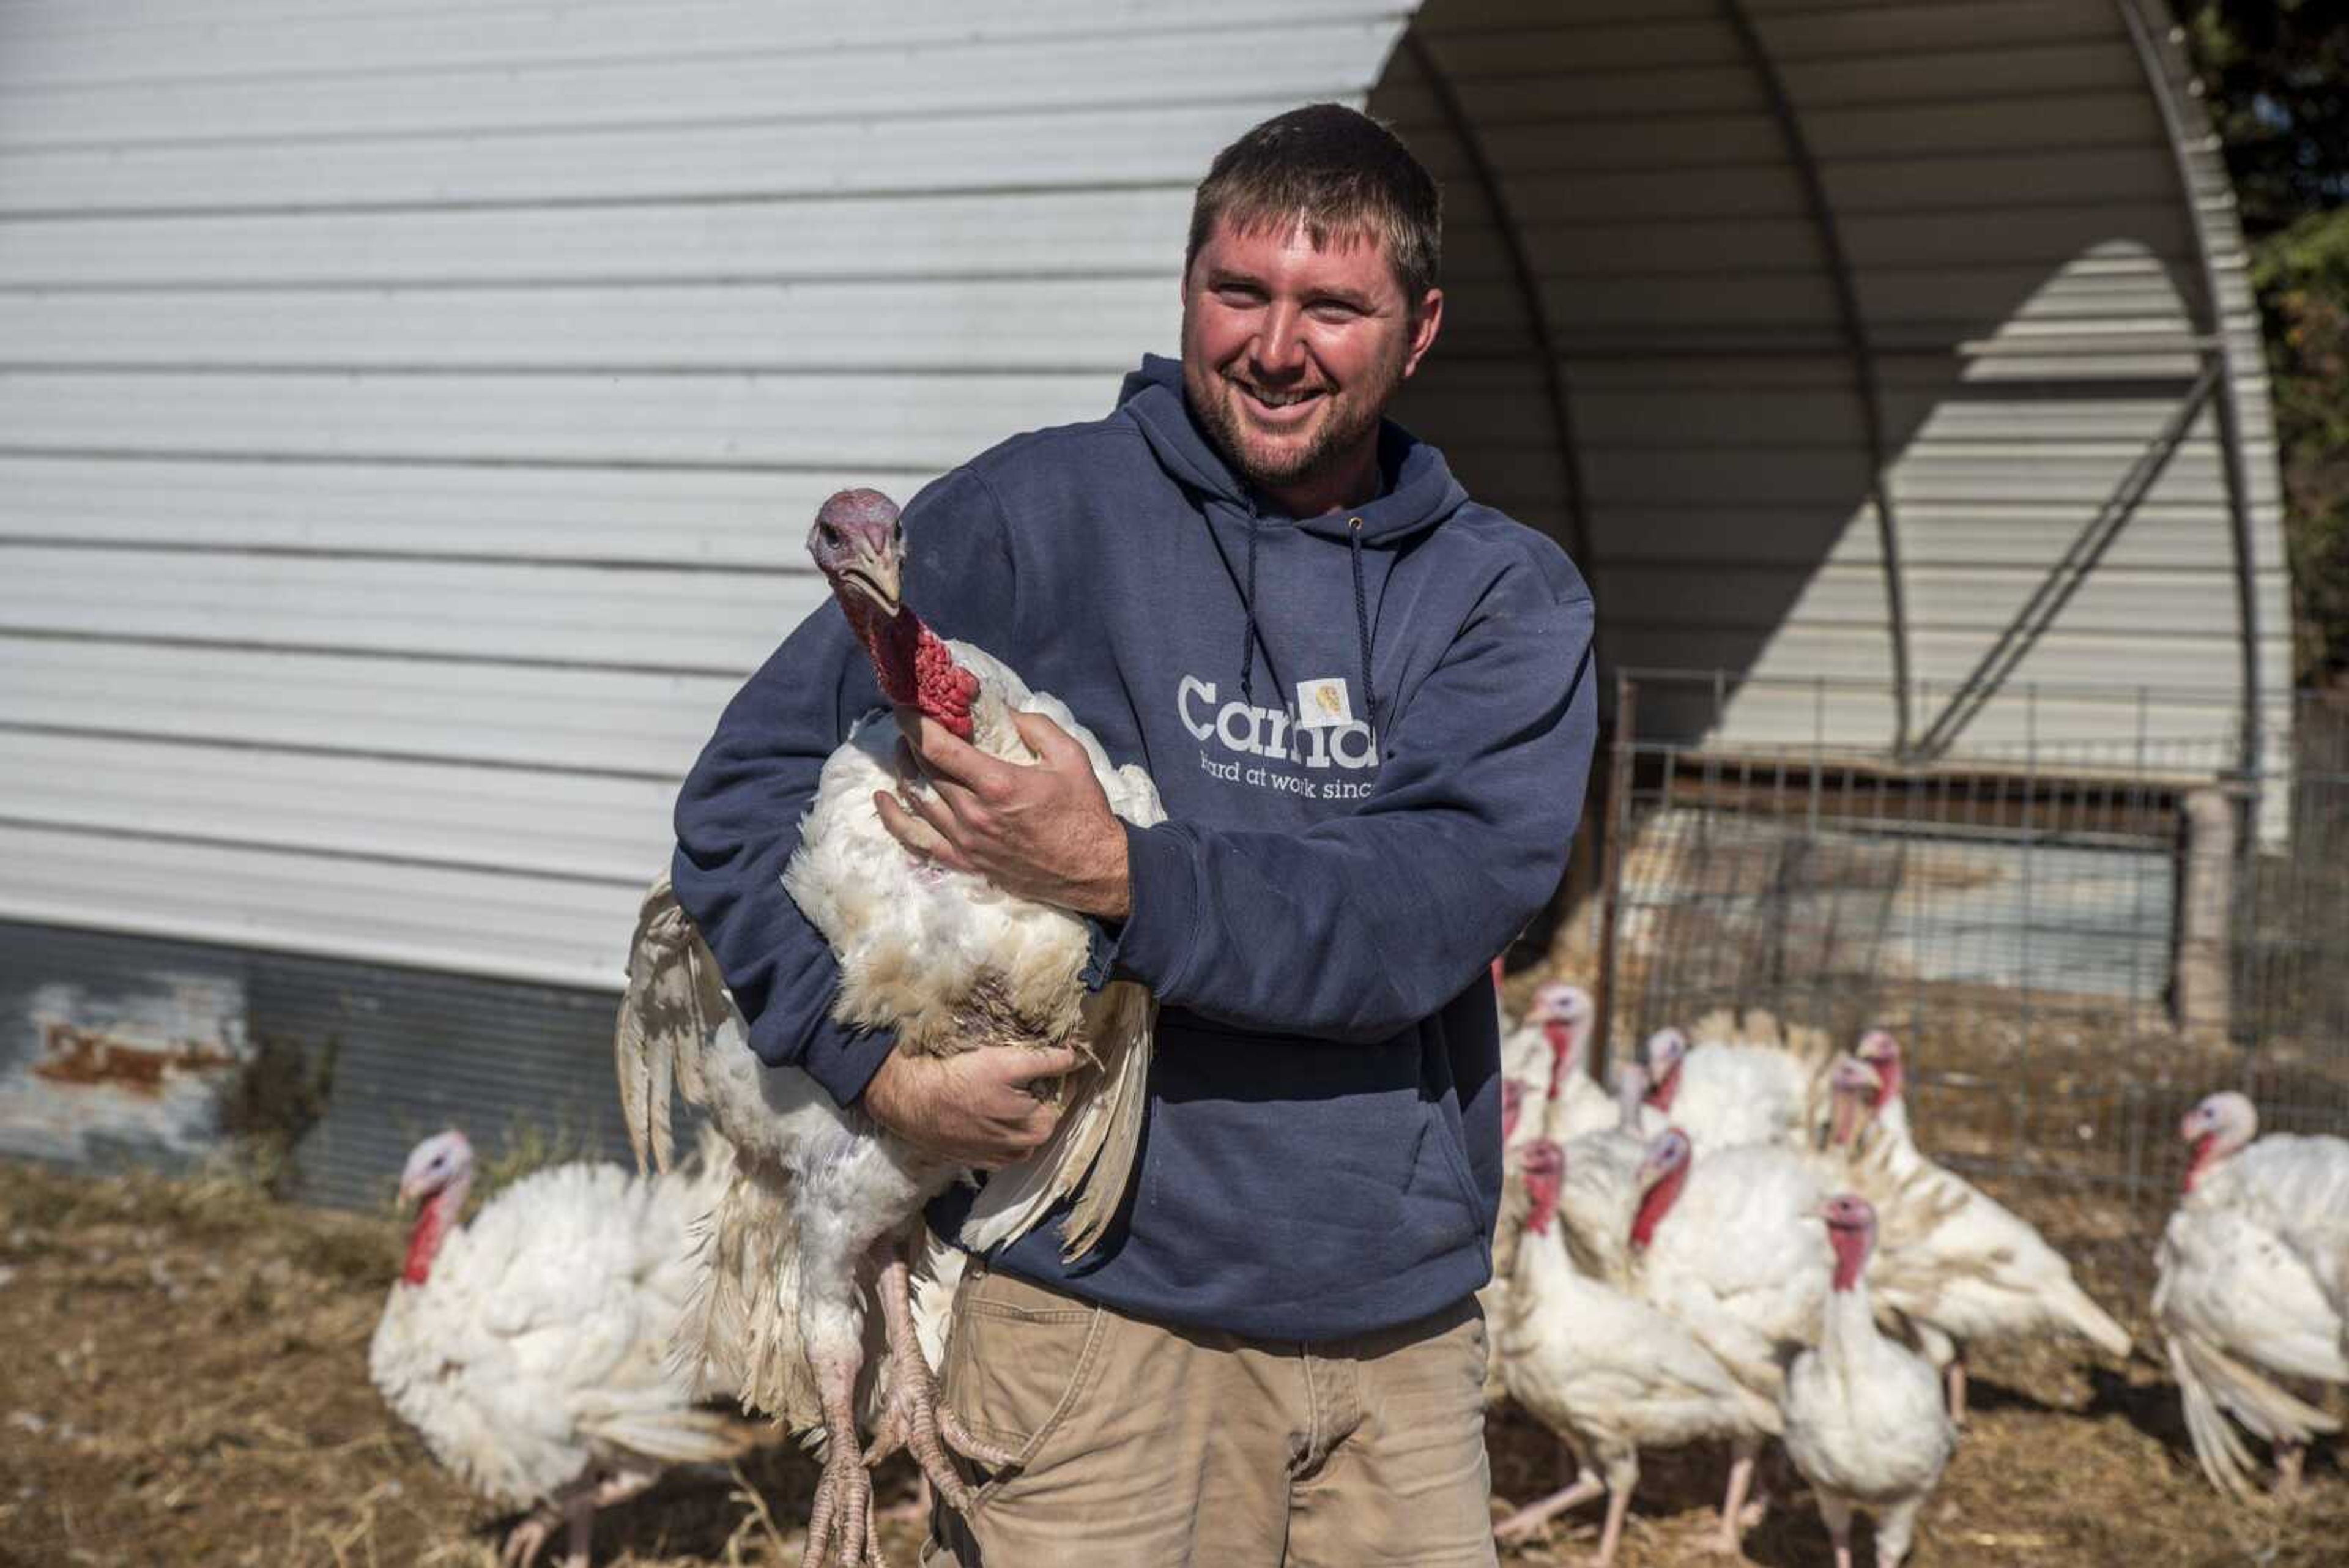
column 1321, row 705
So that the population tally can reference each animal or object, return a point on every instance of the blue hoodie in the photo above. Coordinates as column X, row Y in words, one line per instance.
column 1370, row 731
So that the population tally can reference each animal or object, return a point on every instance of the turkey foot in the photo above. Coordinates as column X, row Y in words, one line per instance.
column 2288, row 1459
column 916, row 1421
column 524, row 1540
column 842, row 1515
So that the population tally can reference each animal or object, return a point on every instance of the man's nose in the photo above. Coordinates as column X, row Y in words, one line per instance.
column 1280, row 348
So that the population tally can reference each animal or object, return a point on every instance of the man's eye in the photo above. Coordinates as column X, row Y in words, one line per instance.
column 1234, row 294
column 1333, row 310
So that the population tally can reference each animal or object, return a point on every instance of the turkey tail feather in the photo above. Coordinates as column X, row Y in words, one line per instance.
column 739, row 1335
column 2092, row 1322
column 673, row 1000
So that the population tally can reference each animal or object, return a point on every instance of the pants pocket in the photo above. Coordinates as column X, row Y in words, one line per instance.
column 1017, row 1360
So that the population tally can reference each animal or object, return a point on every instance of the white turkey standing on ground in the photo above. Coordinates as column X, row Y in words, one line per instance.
column 1730, row 1246
column 1863, row 1416
column 1968, row 1268
column 1745, row 1082
column 2240, row 1300
column 531, row 1348
column 947, row 962
column 1606, row 1371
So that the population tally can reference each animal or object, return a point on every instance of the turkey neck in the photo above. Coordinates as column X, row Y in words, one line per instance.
column 1564, row 1052
column 914, row 666
column 1655, row 1204
column 1848, row 1321
column 2208, row 1153
column 433, row 1223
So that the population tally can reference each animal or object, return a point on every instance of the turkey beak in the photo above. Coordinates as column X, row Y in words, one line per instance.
column 408, row 1195
column 875, row 575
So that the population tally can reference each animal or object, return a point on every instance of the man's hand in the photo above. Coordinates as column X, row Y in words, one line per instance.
column 1043, row 832
column 978, row 1107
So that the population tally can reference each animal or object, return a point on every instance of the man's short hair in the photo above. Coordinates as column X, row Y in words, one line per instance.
column 1338, row 173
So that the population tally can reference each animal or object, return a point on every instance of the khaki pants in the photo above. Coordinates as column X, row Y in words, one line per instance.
column 1147, row 1447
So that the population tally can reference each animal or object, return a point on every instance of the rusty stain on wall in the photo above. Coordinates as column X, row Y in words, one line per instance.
column 71, row 1054
column 135, row 1061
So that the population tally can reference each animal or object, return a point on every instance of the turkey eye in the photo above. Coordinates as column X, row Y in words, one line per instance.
column 831, row 534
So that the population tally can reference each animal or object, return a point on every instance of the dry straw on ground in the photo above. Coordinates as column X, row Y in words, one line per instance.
column 184, row 1381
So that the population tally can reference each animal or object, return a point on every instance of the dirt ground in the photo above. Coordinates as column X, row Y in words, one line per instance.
column 183, row 1382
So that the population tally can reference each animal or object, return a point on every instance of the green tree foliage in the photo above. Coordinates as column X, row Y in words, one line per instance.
column 2275, row 80
column 2303, row 275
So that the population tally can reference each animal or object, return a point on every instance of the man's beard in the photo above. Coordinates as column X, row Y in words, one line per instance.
column 1348, row 420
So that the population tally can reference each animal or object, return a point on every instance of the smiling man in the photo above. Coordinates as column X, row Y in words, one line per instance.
column 1366, row 701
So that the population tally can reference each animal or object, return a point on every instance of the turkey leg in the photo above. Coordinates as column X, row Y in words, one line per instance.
column 1533, row 1515
column 1731, row 1542
column 843, row 1493
column 916, row 1419
column 832, row 1316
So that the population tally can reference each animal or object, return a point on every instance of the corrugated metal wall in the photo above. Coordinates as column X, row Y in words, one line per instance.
column 410, row 410
column 165, row 1026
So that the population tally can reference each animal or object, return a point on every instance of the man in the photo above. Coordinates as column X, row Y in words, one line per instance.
column 1367, row 703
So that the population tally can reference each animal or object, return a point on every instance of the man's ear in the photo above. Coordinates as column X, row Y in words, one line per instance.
column 1425, row 322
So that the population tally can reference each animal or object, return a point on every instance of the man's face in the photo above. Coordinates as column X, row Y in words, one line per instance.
column 1291, row 353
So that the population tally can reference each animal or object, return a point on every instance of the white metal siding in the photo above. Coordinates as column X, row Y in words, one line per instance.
column 410, row 411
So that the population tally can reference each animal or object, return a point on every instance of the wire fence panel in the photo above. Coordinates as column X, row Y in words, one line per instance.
column 2075, row 940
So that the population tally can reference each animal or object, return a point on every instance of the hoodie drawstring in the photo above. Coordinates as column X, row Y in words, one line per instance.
column 1247, row 607
column 1362, row 627
column 1361, row 622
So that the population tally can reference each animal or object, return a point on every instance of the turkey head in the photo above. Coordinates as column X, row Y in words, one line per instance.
column 859, row 544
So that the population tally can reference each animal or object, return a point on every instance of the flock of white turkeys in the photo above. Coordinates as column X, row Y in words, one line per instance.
column 1785, row 1265
column 1742, row 1242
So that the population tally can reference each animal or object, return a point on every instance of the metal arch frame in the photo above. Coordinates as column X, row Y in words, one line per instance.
column 1855, row 336
column 1553, row 357
column 2224, row 405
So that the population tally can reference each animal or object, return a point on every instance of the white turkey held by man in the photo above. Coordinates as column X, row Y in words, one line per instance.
column 2250, row 1288
column 1864, row 1420
column 531, row 1349
column 947, row 962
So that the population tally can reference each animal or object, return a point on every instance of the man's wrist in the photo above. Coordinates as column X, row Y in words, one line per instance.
column 1114, row 900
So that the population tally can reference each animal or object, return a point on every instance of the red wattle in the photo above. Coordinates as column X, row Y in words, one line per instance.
column 1561, row 1046
column 943, row 690
column 1659, row 1093
column 1654, row 1205
column 1851, row 1255
column 1888, row 1074
column 2206, row 1149
column 432, row 1223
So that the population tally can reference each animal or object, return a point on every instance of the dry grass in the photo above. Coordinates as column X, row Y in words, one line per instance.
column 184, row 1381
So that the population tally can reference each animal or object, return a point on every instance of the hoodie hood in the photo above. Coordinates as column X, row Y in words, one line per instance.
column 1419, row 492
